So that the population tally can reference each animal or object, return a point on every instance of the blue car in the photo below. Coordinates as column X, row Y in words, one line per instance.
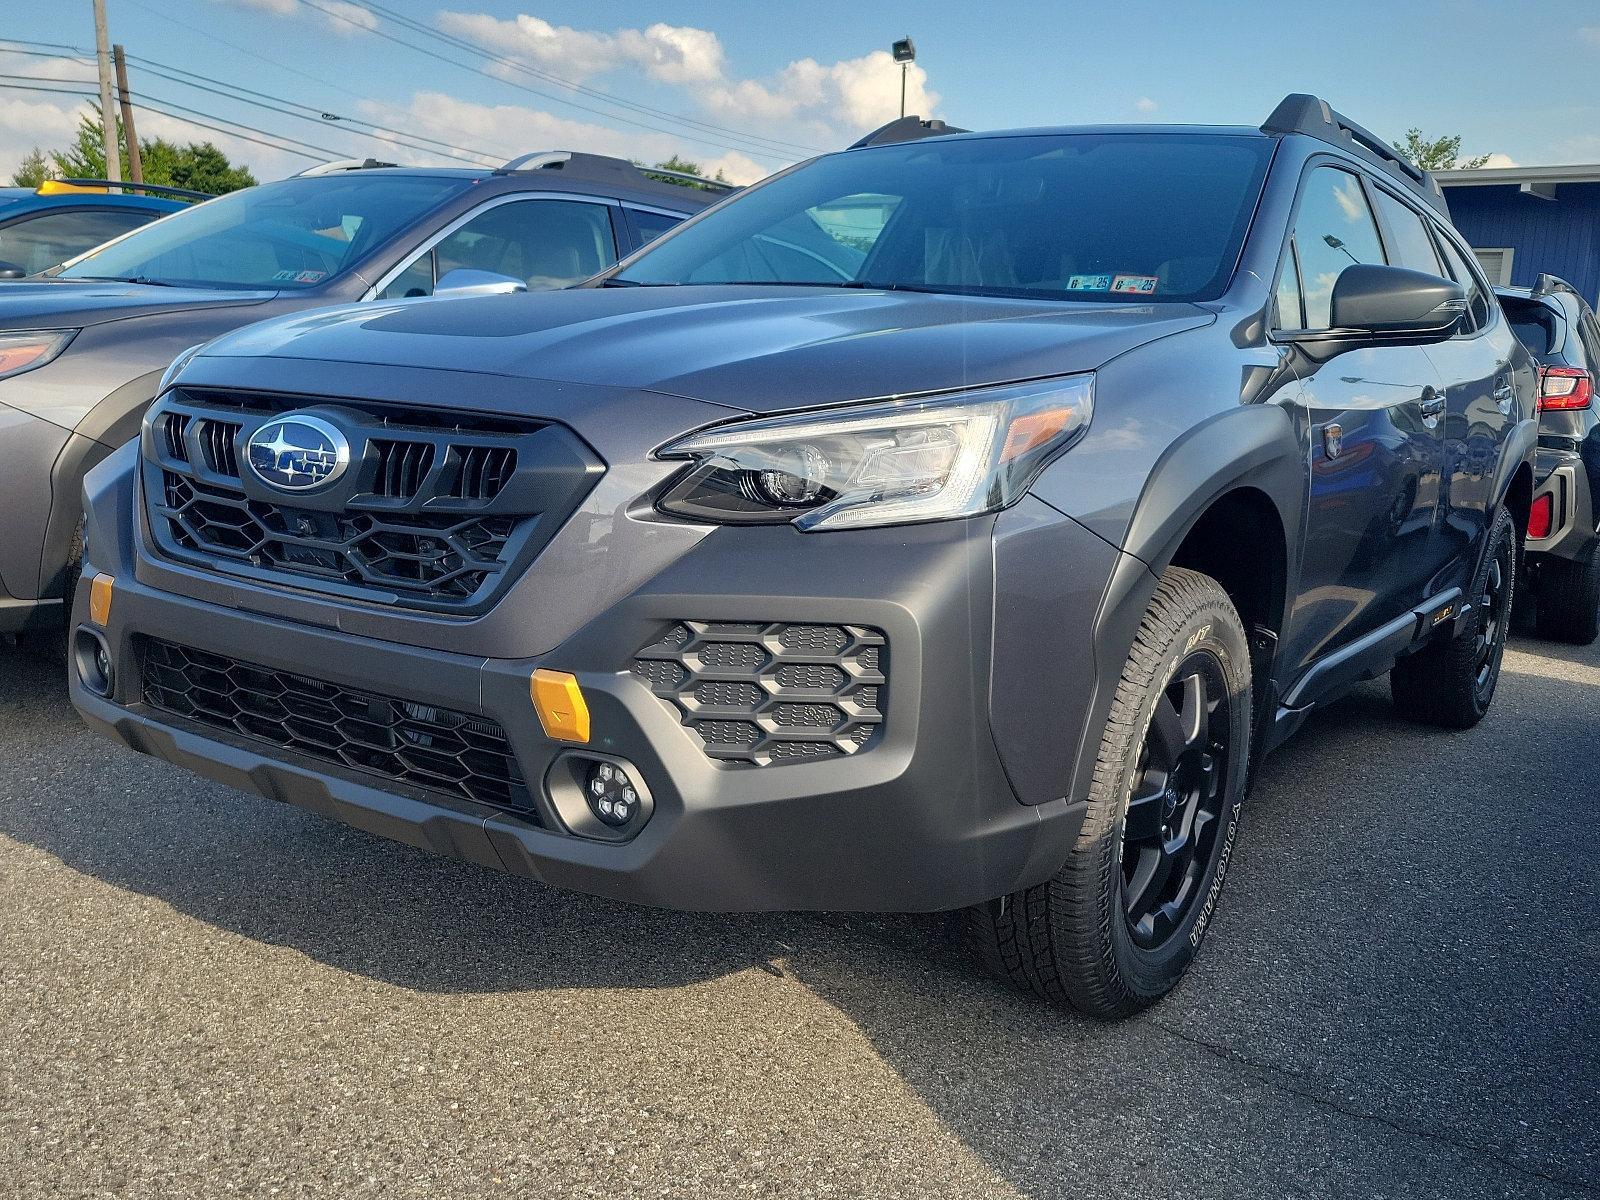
column 64, row 217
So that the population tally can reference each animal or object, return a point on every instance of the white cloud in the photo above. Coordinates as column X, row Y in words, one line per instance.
column 339, row 15
column 1500, row 160
column 1146, row 105
column 666, row 53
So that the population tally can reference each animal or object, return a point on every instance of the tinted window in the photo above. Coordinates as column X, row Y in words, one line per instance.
column 1409, row 243
column 1119, row 217
column 652, row 225
column 1333, row 229
column 1534, row 324
column 292, row 234
column 545, row 243
column 1289, row 314
column 40, row 242
column 1477, row 298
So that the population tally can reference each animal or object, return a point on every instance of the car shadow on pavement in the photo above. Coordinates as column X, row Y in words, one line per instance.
column 1389, row 1002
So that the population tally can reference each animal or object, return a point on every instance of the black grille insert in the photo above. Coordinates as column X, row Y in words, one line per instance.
column 759, row 694
column 435, row 511
column 416, row 744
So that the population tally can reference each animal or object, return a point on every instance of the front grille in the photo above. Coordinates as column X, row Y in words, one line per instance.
column 416, row 744
column 435, row 511
column 759, row 694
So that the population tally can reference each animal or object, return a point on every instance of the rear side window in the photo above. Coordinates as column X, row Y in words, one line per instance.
column 1477, row 296
column 1534, row 324
column 1409, row 243
column 1333, row 229
column 651, row 225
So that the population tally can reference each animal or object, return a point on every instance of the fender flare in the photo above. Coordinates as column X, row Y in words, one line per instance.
column 1254, row 446
column 111, row 423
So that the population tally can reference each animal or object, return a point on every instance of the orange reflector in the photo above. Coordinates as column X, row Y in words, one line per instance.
column 1035, row 429
column 560, row 704
column 100, row 599
column 60, row 187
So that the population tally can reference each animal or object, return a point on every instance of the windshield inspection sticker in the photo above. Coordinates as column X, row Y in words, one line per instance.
column 1139, row 285
column 1089, row 283
column 309, row 276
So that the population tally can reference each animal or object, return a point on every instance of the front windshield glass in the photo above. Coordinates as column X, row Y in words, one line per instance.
column 293, row 234
column 1114, row 216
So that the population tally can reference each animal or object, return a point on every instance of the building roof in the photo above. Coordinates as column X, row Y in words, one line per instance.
column 1536, row 181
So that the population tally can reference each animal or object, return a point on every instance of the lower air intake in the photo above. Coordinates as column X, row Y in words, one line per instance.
column 762, row 694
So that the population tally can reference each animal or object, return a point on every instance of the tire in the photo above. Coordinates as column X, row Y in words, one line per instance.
column 1568, row 600
column 1451, row 683
column 51, row 643
column 1117, row 926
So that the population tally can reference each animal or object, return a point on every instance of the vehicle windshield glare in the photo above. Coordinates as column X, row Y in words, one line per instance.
column 293, row 234
column 1084, row 216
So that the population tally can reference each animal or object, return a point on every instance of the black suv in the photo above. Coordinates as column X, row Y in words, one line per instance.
column 1559, row 330
column 945, row 522
column 83, row 346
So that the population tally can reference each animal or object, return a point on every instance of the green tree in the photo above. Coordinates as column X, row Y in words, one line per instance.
column 684, row 167
column 1437, row 154
column 197, row 165
column 34, row 169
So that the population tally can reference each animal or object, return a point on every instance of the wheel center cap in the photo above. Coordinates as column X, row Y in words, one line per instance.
column 1169, row 802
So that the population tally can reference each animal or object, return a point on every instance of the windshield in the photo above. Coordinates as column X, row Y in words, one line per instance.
column 1124, row 216
column 293, row 234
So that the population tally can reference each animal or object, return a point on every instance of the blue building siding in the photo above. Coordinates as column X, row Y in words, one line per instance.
column 1561, row 236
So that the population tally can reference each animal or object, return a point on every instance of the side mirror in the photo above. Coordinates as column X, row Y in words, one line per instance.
column 464, row 281
column 1396, row 302
column 10, row 270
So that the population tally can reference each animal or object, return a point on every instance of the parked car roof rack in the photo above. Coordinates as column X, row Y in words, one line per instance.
column 344, row 164
column 906, row 129
column 44, row 189
column 603, row 165
column 1314, row 117
column 1547, row 284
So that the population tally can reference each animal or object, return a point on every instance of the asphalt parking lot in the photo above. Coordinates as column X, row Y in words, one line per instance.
column 207, row 994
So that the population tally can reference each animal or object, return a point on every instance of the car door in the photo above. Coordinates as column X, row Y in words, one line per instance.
column 1368, row 420
column 1477, row 365
column 545, row 241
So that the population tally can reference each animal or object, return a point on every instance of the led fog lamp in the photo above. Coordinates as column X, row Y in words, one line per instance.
column 612, row 795
column 599, row 796
column 928, row 458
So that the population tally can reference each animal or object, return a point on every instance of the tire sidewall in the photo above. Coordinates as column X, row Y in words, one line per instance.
column 1214, row 630
column 1502, row 544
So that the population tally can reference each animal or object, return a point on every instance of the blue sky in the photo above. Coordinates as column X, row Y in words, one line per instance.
column 813, row 75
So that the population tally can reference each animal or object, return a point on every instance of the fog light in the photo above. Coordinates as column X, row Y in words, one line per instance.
column 599, row 796
column 93, row 659
column 613, row 796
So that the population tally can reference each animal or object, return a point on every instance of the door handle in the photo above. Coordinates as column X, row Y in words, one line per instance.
column 1505, row 395
column 1432, row 404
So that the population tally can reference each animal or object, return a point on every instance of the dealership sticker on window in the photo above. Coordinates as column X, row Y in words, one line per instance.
column 1089, row 283
column 1139, row 285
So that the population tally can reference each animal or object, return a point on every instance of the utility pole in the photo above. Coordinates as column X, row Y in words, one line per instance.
column 135, row 167
column 108, row 115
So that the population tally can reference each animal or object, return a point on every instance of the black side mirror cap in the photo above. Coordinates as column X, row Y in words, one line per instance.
column 1379, row 301
column 11, row 271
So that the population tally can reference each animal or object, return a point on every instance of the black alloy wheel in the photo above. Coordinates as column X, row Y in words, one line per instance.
column 1171, row 832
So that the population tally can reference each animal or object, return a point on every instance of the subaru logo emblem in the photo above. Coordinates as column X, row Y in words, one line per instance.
column 296, row 454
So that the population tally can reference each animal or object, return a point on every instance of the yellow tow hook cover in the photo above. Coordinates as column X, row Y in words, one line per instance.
column 100, row 588
column 559, row 701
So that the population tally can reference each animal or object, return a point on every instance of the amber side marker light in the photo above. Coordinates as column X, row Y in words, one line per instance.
column 100, row 589
column 559, row 701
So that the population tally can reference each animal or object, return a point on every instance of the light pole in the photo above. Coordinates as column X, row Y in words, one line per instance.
column 905, row 53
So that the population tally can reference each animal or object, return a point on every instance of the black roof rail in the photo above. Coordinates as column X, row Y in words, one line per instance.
column 604, row 166
column 128, row 186
column 906, row 129
column 1314, row 117
column 1548, row 284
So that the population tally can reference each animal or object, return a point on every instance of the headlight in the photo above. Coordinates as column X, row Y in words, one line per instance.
column 26, row 349
column 880, row 464
column 178, row 364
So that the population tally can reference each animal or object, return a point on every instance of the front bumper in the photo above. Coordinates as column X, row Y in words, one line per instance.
column 924, row 818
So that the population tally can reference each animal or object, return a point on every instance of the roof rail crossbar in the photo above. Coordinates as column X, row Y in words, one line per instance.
column 906, row 129
column 129, row 186
column 344, row 164
column 1314, row 117
column 602, row 164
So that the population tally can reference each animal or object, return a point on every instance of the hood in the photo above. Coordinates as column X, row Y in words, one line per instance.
column 756, row 348
column 75, row 303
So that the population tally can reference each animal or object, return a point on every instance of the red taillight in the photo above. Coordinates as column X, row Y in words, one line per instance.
column 1541, row 515
column 1565, row 387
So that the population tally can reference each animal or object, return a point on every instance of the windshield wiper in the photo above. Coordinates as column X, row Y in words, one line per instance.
column 144, row 279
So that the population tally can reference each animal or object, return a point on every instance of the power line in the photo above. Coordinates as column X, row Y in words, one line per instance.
column 720, row 145
column 776, row 144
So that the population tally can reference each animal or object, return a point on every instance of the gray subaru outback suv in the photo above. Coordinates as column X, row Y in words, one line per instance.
column 945, row 523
